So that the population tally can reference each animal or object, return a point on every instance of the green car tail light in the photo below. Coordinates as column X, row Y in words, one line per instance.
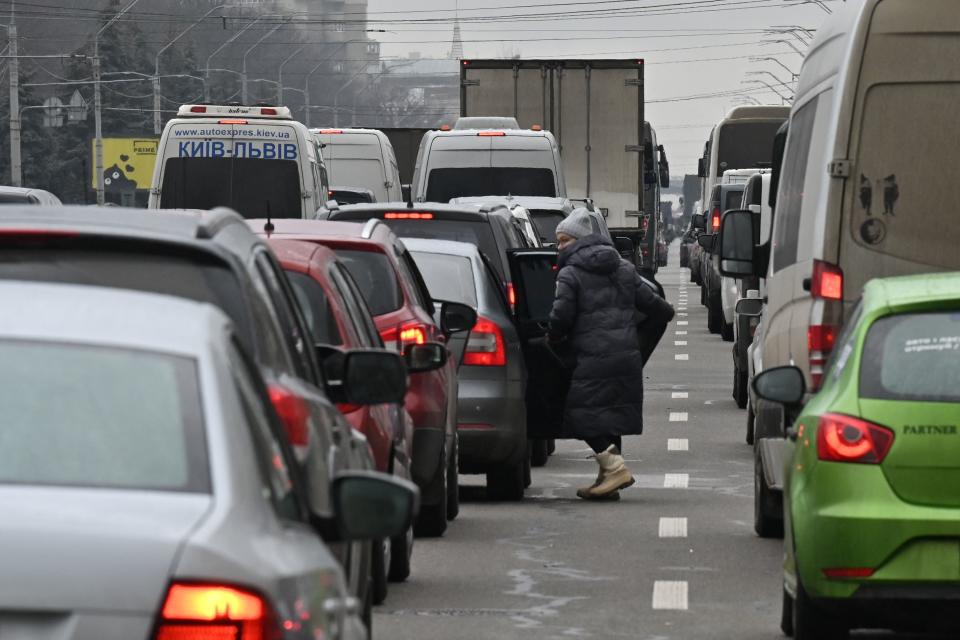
column 843, row 438
column 848, row 573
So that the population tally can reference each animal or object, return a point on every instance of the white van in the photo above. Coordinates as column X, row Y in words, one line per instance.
column 477, row 162
column 258, row 161
column 361, row 158
column 867, row 188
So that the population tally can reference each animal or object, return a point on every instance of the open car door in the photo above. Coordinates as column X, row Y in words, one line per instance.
column 534, row 276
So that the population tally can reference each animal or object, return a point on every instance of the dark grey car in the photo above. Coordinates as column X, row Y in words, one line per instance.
column 491, row 414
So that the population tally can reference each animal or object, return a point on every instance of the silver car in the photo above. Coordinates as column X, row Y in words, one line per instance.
column 146, row 484
column 491, row 413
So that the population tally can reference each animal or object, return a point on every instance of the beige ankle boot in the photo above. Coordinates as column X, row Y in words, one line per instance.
column 613, row 477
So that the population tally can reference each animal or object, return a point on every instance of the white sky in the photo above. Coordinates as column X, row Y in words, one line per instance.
column 734, row 31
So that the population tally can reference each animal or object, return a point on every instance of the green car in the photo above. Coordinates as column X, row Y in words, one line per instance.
column 872, row 484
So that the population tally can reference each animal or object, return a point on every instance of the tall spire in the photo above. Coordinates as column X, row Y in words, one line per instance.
column 456, row 50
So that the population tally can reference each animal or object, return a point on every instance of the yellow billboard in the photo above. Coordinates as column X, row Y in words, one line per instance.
column 127, row 163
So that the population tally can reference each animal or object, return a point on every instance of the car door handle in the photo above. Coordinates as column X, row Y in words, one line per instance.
column 335, row 607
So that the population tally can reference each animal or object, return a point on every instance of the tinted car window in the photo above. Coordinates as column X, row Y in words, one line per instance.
column 77, row 415
column 253, row 188
column 446, row 184
column 316, row 308
column 912, row 357
column 352, row 296
column 475, row 232
column 448, row 277
column 375, row 277
column 733, row 199
column 744, row 145
column 290, row 323
column 786, row 232
column 546, row 224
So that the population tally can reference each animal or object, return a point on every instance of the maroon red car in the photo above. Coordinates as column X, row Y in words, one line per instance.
column 403, row 311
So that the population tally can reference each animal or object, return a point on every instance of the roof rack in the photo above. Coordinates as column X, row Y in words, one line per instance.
column 369, row 228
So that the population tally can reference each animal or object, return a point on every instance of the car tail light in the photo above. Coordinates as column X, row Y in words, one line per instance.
column 491, row 134
column 843, row 438
column 715, row 220
column 198, row 109
column 408, row 215
column 212, row 612
column 475, row 426
column 511, row 295
column 268, row 111
column 330, row 131
column 536, row 127
column 485, row 346
column 444, row 127
column 401, row 336
column 840, row 573
column 827, row 281
column 820, row 340
column 294, row 413
column 234, row 121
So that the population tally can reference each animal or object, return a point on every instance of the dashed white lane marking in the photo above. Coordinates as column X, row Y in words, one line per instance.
column 681, row 333
column 679, row 343
column 679, row 416
column 681, row 356
column 682, row 314
column 680, row 395
column 671, row 595
column 673, row 528
column 683, row 323
column 678, row 444
column 676, row 480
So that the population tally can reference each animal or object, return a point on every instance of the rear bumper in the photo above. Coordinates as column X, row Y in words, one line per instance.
column 492, row 423
column 917, row 607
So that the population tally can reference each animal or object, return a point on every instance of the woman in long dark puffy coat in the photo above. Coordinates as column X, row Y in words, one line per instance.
column 601, row 309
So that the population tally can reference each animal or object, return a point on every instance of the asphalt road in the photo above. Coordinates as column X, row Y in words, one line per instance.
column 676, row 558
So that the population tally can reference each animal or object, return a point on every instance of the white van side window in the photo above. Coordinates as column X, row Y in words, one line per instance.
column 786, row 230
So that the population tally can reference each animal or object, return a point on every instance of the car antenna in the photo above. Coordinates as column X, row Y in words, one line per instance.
column 268, row 228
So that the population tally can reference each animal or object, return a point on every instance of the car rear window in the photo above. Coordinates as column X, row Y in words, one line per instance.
column 745, row 145
column 193, row 277
column 16, row 198
column 375, row 277
column 733, row 199
column 446, row 184
column 546, row 224
column 316, row 308
column 84, row 416
column 253, row 188
column 476, row 232
column 448, row 277
column 912, row 357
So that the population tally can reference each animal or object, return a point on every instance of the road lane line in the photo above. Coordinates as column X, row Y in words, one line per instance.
column 671, row 595
column 682, row 356
column 673, row 528
column 678, row 444
column 680, row 395
column 681, row 333
column 676, row 481
column 683, row 323
column 679, row 416
column 679, row 343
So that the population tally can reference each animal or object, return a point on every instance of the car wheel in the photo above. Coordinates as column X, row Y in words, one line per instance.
column 539, row 452
column 527, row 474
column 432, row 521
column 551, row 446
column 751, row 422
column 714, row 318
column 703, row 295
column 401, row 549
column 767, row 505
column 740, row 395
column 453, row 482
column 506, row 483
column 379, row 568
column 726, row 332
column 786, row 615
column 813, row 623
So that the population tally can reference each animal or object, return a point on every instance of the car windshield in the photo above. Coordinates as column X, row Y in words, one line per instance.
column 375, row 277
column 316, row 308
column 448, row 277
column 447, row 184
column 83, row 416
column 912, row 357
column 475, row 232
column 546, row 223
column 745, row 145
column 254, row 188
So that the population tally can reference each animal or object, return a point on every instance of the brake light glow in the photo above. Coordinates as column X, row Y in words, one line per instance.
column 536, row 127
column 209, row 611
column 715, row 220
column 444, row 127
column 399, row 337
column 491, row 134
column 842, row 438
column 346, row 408
column 469, row 426
column 198, row 109
column 294, row 413
column 233, row 121
column 827, row 281
column 407, row 215
column 820, row 341
column 841, row 573
column 330, row 131
column 268, row 111
column 511, row 295
column 485, row 346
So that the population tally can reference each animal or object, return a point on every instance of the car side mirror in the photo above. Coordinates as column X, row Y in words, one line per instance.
column 701, row 168
column 421, row 358
column 331, row 360
column 371, row 377
column 705, row 240
column 456, row 317
column 750, row 307
column 373, row 506
column 782, row 385
column 699, row 221
column 737, row 250
column 625, row 248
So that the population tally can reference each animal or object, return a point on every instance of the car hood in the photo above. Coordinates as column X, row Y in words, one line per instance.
column 71, row 551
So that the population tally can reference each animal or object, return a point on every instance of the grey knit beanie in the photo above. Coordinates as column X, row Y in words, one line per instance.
column 576, row 225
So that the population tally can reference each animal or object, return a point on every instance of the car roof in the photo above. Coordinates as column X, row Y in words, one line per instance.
column 108, row 316
column 18, row 190
column 468, row 210
column 299, row 252
column 313, row 230
column 903, row 291
column 446, row 247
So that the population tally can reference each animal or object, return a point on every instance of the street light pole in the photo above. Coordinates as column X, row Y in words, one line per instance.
column 246, row 54
column 226, row 44
column 306, row 82
column 98, row 102
column 16, row 160
column 280, row 74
